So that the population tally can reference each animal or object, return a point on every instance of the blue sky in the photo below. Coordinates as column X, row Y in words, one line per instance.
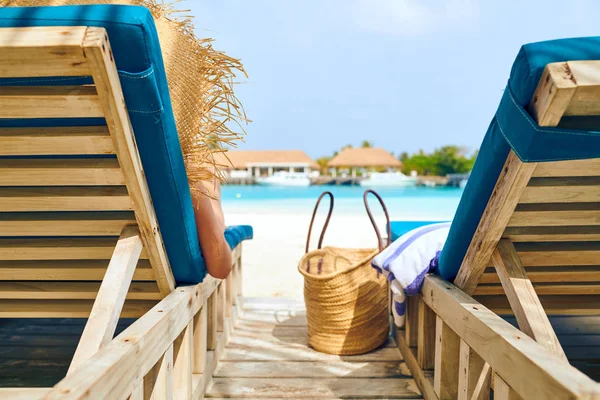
column 405, row 74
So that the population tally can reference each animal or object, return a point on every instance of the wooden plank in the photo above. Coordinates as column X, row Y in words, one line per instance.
column 314, row 388
column 545, row 276
column 100, row 327
column 304, row 354
column 100, row 198
column 42, row 51
column 426, row 337
column 311, row 369
column 552, row 233
column 60, row 172
column 523, row 299
column 555, row 218
column 586, row 99
column 502, row 391
column 106, row 78
column 524, row 364
column 58, row 249
column 163, row 388
column 212, row 313
column 200, row 340
column 423, row 382
column 483, row 384
column 71, row 290
column 411, row 321
column 221, row 307
column 447, row 350
column 589, row 167
column 65, row 308
column 49, row 102
column 552, row 304
column 22, row 393
column 183, row 363
column 470, row 368
column 111, row 373
column 67, row 270
column 560, row 194
column 544, row 289
column 65, row 224
column 55, row 141
column 138, row 392
column 510, row 185
column 553, row 94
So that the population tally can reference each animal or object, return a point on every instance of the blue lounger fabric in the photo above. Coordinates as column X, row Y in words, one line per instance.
column 399, row 228
column 138, row 56
column 513, row 128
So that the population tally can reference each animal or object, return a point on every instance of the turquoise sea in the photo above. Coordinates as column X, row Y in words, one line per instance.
column 404, row 204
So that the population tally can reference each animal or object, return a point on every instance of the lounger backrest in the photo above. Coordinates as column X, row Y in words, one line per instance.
column 549, row 211
column 67, row 191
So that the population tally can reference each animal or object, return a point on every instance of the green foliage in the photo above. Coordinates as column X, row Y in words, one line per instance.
column 366, row 144
column 443, row 161
column 322, row 162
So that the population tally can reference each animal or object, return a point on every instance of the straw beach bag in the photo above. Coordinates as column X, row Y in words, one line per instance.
column 346, row 299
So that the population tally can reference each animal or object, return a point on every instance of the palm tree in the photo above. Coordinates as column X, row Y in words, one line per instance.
column 366, row 144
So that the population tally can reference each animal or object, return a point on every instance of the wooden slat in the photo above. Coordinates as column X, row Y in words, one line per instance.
column 426, row 337
column 212, row 311
column 541, row 289
column 523, row 299
column 65, row 270
column 55, row 141
column 71, row 290
column 484, row 382
column 311, row 369
column 65, row 308
column 552, row 304
column 542, row 275
column 60, row 172
column 106, row 78
column 423, row 382
column 589, row 167
column 163, row 388
column 183, row 364
column 502, row 391
column 23, row 393
column 200, row 340
column 470, row 368
column 553, row 233
column 101, row 198
column 553, row 94
column 311, row 388
column 447, row 351
column 100, row 327
column 510, row 185
column 65, row 224
column 525, row 365
column 555, row 218
column 586, row 99
column 111, row 373
column 49, row 102
column 58, row 249
column 411, row 321
column 560, row 194
column 270, row 353
column 42, row 52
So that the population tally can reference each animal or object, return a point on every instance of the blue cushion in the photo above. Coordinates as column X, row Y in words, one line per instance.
column 235, row 234
column 138, row 57
column 513, row 128
column 399, row 228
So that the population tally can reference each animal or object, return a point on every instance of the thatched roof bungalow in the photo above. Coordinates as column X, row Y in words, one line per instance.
column 368, row 158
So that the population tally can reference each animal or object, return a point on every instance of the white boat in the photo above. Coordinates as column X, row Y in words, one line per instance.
column 285, row 178
column 392, row 179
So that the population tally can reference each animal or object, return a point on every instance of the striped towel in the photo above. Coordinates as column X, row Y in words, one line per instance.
column 407, row 260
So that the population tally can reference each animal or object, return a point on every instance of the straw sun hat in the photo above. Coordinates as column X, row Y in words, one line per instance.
column 201, row 82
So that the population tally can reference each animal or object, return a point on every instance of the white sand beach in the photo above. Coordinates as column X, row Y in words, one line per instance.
column 270, row 259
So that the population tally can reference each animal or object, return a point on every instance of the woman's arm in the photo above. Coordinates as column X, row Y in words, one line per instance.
column 210, row 223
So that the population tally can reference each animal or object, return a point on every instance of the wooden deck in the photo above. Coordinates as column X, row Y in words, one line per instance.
column 268, row 357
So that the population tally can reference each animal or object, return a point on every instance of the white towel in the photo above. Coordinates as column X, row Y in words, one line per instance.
column 407, row 260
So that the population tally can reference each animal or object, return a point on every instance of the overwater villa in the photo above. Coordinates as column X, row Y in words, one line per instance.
column 104, row 292
column 246, row 166
column 363, row 159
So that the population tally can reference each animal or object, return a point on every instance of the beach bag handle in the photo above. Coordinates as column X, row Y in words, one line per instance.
column 367, row 207
column 388, row 226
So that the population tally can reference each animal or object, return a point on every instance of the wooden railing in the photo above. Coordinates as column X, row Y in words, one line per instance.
column 170, row 352
column 458, row 349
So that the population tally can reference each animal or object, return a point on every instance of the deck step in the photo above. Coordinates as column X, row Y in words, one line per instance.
column 268, row 357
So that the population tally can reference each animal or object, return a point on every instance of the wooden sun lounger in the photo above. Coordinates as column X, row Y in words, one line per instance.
column 79, row 237
column 535, row 253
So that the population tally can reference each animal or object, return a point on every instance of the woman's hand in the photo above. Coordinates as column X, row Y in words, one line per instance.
column 210, row 223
